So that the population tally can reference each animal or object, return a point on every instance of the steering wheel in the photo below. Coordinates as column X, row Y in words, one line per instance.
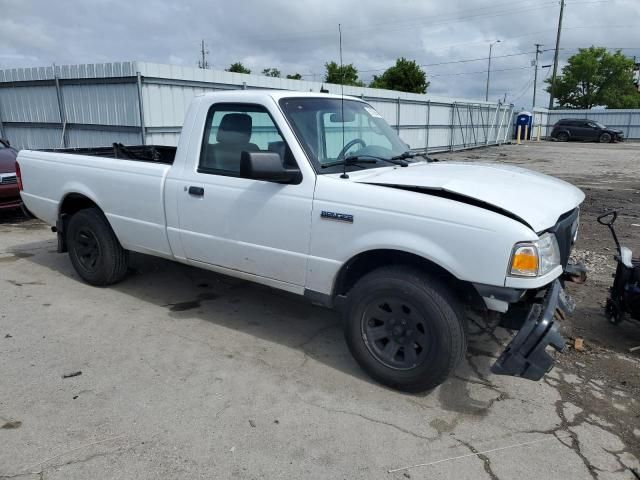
column 346, row 148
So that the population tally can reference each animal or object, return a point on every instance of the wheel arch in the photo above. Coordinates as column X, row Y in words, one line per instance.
column 71, row 203
column 611, row 135
column 361, row 264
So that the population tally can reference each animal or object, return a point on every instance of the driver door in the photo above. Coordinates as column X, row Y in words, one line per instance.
column 253, row 226
column 592, row 131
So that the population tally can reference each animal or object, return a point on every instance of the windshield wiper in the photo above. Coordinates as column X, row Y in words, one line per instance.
column 409, row 154
column 396, row 160
column 351, row 160
column 354, row 159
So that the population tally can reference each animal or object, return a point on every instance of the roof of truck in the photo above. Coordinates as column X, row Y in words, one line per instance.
column 278, row 94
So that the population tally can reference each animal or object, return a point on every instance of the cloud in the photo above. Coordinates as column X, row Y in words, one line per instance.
column 302, row 36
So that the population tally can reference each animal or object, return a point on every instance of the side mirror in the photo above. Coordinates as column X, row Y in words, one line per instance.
column 267, row 166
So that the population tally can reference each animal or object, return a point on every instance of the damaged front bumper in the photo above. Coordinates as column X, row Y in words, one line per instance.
column 526, row 356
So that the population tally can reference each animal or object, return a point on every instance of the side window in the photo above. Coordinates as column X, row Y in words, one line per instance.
column 231, row 129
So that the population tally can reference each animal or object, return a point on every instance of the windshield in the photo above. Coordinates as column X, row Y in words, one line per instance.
column 318, row 124
column 599, row 125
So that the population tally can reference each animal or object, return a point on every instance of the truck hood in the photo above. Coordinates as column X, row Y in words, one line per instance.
column 532, row 198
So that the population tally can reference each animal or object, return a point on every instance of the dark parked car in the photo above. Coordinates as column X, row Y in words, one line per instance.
column 9, row 192
column 585, row 130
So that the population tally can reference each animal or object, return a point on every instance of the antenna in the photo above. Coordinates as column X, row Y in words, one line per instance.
column 344, row 163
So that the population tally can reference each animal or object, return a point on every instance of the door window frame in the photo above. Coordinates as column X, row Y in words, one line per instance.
column 234, row 107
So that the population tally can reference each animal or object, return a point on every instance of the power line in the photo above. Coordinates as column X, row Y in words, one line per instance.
column 477, row 72
column 435, row 64
column 441, row 19
column 468, row 60
column 384, row 27
column 449, row 63
column 524, row 90
column 608, row 48
column 375, row 25
column 456, row 61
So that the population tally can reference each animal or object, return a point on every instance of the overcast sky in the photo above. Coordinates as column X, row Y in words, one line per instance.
column 300, row 36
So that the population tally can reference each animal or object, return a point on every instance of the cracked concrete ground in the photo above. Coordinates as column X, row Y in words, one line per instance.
column 188, row 374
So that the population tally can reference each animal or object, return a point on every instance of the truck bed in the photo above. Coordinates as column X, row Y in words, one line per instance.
column 126, row 182
column 143, row 153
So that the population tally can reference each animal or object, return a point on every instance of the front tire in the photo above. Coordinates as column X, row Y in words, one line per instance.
column 404, row 328
column 94, row 250
column 605, row 138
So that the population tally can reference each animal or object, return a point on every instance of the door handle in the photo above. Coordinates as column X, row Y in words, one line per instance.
column 196, row 191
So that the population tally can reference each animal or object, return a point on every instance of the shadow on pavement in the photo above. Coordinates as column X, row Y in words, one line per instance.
column 286, row 319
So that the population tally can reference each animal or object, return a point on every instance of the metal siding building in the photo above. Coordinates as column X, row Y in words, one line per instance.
column 138, row 102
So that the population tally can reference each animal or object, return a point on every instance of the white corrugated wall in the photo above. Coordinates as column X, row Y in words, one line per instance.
column 98, row 104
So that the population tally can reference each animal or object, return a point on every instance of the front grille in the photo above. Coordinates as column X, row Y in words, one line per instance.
column 564, row 231
column 8, row 179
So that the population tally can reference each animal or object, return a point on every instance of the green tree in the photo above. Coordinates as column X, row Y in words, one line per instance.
column 405, row 76
column 271, row 72
column 596, row 77
column 295, row 76
column 345, row 75
column 238, row 68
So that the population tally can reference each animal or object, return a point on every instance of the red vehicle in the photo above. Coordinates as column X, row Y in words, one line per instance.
column 9, row 192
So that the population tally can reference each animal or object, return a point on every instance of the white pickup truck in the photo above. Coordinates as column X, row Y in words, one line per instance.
column 315, row 194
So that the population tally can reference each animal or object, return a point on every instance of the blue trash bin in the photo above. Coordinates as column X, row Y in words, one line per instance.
column 524, row 119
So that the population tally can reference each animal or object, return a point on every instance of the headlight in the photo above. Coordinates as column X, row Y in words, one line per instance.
column 549, row 252
column 532, row 259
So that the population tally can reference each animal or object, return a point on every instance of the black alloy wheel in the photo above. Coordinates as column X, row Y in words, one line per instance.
column 87, row 248
column 94, row 249
column 395, row 332
column 404, row 327
column 605, row 138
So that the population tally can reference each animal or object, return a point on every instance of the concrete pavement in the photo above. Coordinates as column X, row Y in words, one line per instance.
column 189, row 374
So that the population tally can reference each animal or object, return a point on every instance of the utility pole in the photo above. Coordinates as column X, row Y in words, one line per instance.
column 203, row 63
column 535, row 75
column 486, row 93
column 555, row 56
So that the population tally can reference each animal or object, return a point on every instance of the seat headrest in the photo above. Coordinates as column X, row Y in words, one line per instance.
column 235, row 128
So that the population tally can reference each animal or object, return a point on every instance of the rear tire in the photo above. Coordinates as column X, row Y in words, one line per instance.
column 94, row 250
column 404, row 328
column 605, row 138
column 562, row 137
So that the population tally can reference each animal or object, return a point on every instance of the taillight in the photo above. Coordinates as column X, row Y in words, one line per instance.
column 19, row 176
